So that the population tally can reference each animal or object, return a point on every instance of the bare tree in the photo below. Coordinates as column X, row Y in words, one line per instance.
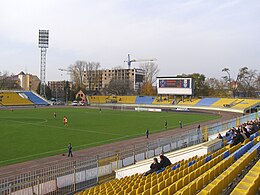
column 8, row 82
column 85, row 73
column 247, row 81
column 217, row 87
column 151, row 71
column 77, row 72
column 119, row 87
column 92, row 74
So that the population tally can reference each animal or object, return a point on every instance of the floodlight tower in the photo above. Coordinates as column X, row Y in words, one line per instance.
column 43, row 45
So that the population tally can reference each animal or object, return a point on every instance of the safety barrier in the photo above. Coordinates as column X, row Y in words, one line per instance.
column 72, row 176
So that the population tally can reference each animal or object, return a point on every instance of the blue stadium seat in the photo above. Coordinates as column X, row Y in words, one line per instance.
column 159, row 171
column 35, row 99
column 207, row 101
column 144, row 99
column 241, row 151
column 226, row 154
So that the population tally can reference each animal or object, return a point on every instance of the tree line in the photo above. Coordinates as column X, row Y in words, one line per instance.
column 86, row 75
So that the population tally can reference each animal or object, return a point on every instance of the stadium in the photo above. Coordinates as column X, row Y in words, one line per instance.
column 130, row 97
column 109, row 161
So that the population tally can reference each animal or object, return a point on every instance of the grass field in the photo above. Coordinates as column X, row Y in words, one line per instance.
column 33, row 133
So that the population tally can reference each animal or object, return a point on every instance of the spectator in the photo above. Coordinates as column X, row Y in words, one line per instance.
column 155, row 166
column 238, row 138
column 219, row 136
column 246, row 132
column 164, row 161
column 147, row 133
column 180, row 122
column 165, row 124
column 244, row 135
column 70, row 150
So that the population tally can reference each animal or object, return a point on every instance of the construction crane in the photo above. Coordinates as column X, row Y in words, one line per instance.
column 129, row 60
column 65, row 70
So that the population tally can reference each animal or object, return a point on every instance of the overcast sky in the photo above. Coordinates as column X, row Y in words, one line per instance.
column 184, row 36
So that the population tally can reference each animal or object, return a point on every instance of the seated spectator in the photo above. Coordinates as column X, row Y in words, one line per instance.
column 246, row 133
column 164, row 161
column 238, row 138
column 219, row 136
column 155, row 166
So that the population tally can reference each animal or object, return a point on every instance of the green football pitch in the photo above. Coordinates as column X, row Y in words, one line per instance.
column 28, row 134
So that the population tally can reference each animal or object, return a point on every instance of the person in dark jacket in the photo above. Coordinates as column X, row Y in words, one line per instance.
column 155, row 166
column 238, row 138
column 246, row 133
column 70, row 150
column 164, row 161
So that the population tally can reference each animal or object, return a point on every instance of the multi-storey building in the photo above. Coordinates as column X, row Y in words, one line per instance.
column 27, row 81
column 58, row 88
column 99, row 79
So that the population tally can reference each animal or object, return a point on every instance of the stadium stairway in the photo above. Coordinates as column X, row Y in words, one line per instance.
column 144, row 99
column 248, row 185
column 37, row 100
column 13, row 99
column 126, row 99
column 246, row 103
column 98, row 99
column 187, row 102
column 207, row 101
column 223, row 102
column 208, row 174
column 241, row 158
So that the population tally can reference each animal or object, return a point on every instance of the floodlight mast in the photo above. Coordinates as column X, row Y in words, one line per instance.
column 43, row 45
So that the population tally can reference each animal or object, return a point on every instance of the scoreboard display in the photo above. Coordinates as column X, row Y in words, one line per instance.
column 174, row 86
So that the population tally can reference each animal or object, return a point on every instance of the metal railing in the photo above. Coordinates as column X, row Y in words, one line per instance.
column 75, row 175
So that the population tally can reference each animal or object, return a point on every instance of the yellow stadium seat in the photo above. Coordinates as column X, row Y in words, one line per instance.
column 146, row 192
column 172, row 188
column 147, row 186
column 179, row 184
column 161, row 186
column 154, row 189
column 168, row 182
column 140, row 190
column 199, row 183
column 192, row 188
column 174, row 178
column 164, row 192
column 185, row 180
column 160, row 179
column 154, row 182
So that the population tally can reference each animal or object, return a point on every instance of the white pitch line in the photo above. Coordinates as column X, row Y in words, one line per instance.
column 24, row 157
column 67, row 128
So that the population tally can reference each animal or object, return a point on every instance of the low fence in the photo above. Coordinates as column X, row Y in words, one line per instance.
column 73, row 176
column 218, row 127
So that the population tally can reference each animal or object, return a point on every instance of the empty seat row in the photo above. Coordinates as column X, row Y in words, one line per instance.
column 250, row 183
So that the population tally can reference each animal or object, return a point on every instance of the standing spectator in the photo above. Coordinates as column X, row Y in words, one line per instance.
column 180, row 122
column 164, row 161
column 155, row 166
column 70, row 150
column 165, row 124
column 147, row 133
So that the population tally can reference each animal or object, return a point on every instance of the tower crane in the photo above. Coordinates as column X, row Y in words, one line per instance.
column 65, row 70
column 129, row 60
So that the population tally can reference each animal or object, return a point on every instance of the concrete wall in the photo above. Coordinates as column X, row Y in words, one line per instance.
column 185, row 153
